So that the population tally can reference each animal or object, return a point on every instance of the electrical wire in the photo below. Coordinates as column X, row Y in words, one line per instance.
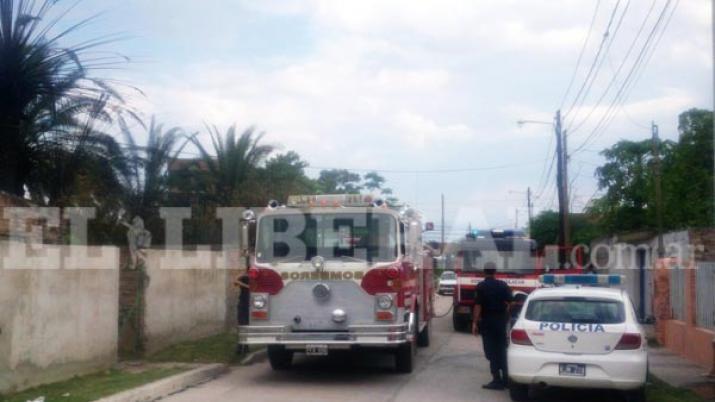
column 616, row 74
column 634, row 74
column 595, row 61
column 610, row 42
column 430, row 171
column 580, row 55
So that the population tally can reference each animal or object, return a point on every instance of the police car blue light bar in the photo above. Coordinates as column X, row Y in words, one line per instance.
column 582, row 279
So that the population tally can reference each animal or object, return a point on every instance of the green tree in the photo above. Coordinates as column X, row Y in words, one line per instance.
column 147, row 184
column 231, row 168
column 46, row 94
column 373, row 181
column 338, row 181
column 627, row 177
column 283, row 175
column 688, row 173
column 545, row 228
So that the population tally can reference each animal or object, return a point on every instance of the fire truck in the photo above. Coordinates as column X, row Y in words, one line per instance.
column 337, row 272
column 518, row 263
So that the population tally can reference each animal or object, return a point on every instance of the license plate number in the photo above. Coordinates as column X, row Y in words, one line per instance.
column 316, row 350
column 572, row 370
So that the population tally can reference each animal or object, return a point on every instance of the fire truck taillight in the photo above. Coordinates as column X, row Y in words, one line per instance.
column 264, row 280
column 381, row 280
column 520, row 337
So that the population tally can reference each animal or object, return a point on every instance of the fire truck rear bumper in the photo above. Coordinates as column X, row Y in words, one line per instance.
column 355, row 335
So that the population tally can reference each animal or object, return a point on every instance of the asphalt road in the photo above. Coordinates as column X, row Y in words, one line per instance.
column 453, row 368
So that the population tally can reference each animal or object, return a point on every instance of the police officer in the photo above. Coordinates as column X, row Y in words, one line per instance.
column 491, row 316
column 243, row 309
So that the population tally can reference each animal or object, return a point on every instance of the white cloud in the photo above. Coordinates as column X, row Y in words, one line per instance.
column 433, row 84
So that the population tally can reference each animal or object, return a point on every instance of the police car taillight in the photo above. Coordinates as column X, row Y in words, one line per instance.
column 629, row 342
column 520, row 337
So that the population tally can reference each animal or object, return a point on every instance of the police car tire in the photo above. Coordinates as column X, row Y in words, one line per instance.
column 518, row 392
column 279, row 357
column 637, row 395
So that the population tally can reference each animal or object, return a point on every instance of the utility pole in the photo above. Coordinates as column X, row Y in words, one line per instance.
column 567, row 196
column 441, row 249
column 561, row 185
column 655, row 143
column 530, row 208
column 516, row 218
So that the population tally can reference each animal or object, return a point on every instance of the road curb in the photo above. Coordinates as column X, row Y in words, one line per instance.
column 168, row 386
column 254, row 357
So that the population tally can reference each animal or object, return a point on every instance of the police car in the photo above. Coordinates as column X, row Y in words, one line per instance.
column 583, row 334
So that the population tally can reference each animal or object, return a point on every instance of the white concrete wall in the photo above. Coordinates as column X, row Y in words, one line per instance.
column 55, row 323
column 186, row 297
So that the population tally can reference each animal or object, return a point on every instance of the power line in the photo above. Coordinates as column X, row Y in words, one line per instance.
column 544, row 176
column 620, row 67
column 612, row 39
column 580, row 55
column 634, row 74
column 430, row 171
column 595, row 61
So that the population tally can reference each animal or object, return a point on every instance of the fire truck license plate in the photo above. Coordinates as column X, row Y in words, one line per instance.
column 572, row 370
column 316, row 350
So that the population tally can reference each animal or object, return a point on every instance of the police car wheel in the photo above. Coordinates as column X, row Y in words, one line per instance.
column 279, row 357
column 636, row 395
column 518, row 392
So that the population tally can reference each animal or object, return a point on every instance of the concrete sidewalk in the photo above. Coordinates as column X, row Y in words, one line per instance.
column 679, row 372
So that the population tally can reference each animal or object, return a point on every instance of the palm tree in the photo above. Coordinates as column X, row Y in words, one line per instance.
column 147, row 181
column 233, row 163
column 49, row 104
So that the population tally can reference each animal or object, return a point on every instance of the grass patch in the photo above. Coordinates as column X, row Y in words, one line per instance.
column 213, row 349
column 91, row 387
column 658, row 391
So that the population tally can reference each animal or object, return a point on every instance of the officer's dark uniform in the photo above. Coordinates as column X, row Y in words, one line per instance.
column 244, row 296
column 243, row 310
column 493, row 295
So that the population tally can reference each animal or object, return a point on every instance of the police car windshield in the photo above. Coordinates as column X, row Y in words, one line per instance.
column 341, row 236
column 576, row 310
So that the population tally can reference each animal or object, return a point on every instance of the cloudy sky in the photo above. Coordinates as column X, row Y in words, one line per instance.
column 429, row 92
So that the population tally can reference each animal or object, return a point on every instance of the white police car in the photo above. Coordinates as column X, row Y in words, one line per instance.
column 579, row 336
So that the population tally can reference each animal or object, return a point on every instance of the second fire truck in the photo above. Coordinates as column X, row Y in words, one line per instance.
column 337, row 272
column 518, row 264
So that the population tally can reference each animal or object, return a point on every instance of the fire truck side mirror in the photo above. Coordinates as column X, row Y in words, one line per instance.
column 429, row 226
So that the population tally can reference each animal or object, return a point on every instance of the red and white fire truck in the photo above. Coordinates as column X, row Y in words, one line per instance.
column 518, row 263
column 337, row 272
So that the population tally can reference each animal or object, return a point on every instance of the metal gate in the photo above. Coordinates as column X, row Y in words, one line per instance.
column 677, row 293
column 705, row 294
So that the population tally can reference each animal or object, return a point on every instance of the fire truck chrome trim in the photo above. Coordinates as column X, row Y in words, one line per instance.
column 393, row 334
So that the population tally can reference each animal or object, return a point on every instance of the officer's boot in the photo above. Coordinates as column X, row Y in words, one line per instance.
column 496, row 384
